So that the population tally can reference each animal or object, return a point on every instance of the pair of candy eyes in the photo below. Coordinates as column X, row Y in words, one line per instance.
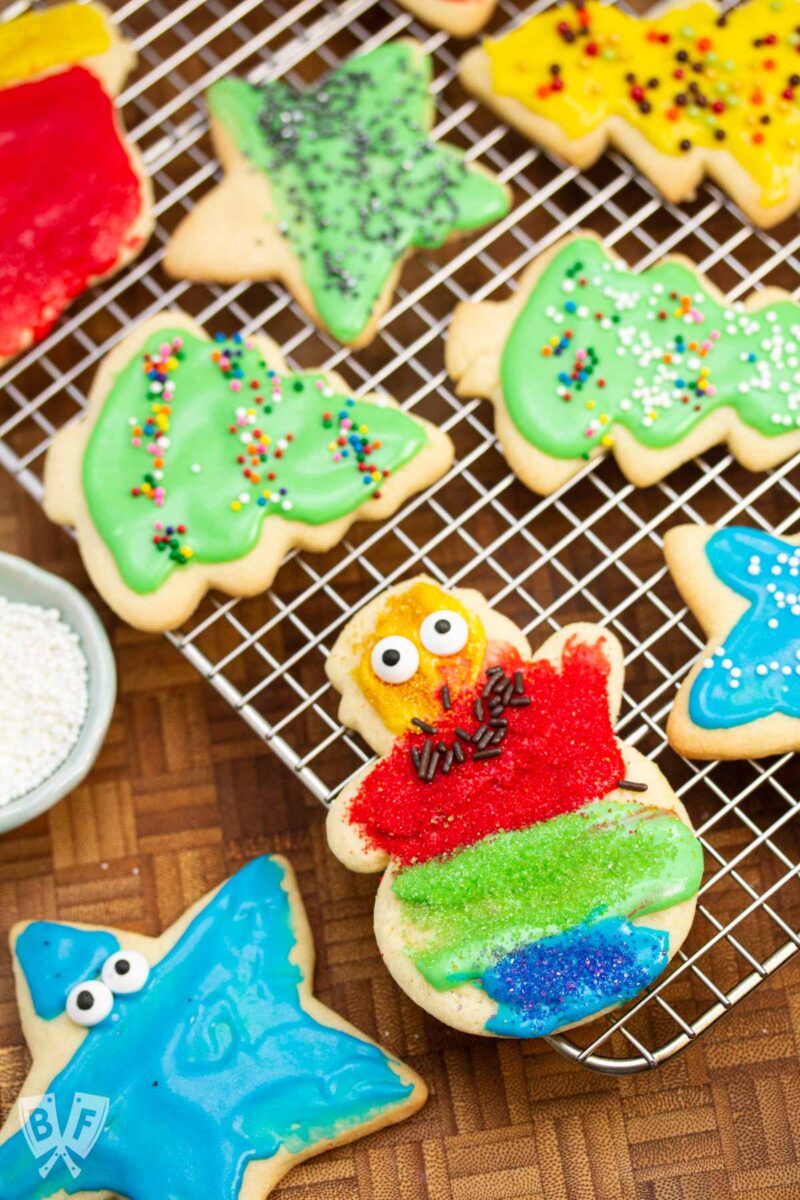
column 395, row 659
column 123, row 973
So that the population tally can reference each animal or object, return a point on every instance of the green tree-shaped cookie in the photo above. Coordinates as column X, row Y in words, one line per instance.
column 597, row 346
column 198, row 442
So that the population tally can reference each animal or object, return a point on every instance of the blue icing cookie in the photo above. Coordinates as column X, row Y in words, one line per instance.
column 214, row 1064
column 55, row 957
column 567, row 977
column 756, row 671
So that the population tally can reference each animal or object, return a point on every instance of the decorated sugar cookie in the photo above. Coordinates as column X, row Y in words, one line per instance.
column 201, row 462
column 461, row 18
column 538, row 871
column 328, row 189
column 64, row 229
column 589, row 358
column 192, row 1065
column 685, row 91
column 742, row 697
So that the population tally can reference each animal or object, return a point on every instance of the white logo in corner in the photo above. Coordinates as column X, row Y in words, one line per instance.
column 40, row 1125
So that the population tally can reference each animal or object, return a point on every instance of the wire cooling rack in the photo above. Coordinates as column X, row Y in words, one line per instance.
column 590, row 552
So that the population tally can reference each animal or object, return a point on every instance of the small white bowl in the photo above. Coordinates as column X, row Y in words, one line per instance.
column 22, row 582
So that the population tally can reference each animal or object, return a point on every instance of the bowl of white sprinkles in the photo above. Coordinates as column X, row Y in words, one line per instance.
column 58, row 683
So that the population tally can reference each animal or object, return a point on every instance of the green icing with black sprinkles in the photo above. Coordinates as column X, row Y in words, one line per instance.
column 355, row 176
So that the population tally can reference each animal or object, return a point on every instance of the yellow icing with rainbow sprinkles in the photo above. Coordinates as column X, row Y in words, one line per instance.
column 691, row 77
column 39, row 41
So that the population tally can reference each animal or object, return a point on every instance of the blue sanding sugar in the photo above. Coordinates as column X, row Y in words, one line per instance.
column 571, row 975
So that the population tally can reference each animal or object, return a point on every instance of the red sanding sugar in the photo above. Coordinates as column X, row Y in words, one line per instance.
column 558, row 754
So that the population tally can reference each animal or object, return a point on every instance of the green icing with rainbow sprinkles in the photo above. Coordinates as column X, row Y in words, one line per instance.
column 199, row 441
column 597, row 346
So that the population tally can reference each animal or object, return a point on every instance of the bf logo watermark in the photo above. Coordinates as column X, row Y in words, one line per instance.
column 40, row 1125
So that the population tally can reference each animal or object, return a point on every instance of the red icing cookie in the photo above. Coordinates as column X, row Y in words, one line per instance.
column 560, row 753
column 60, row 229
column 74, row 203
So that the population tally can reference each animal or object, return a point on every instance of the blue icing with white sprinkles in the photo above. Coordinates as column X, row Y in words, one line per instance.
column 756, row 671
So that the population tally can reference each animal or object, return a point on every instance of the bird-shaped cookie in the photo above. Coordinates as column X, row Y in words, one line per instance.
column 190, row 1066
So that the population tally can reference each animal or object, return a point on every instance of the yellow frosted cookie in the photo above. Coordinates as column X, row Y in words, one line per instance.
column 684, row 91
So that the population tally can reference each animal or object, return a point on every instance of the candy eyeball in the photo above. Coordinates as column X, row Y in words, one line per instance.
column 89, row 1003
column 444, row 632
column 394, row 659
column 125, row 972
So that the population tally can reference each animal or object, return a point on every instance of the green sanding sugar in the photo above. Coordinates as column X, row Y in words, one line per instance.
column 610, row 858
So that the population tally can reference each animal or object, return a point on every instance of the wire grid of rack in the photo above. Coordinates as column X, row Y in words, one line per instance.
column 592, row 551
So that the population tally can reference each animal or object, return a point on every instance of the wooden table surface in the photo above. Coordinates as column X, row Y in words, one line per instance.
column 183, row 793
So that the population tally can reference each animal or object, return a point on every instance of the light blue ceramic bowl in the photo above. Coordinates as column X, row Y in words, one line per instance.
column 21, row 581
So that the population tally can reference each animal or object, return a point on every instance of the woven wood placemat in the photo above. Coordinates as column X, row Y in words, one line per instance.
column 183, row 793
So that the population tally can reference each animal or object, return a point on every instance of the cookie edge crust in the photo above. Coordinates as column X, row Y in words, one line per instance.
column 459, row 19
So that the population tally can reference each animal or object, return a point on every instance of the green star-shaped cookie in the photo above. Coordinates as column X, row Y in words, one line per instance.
column 329, row 188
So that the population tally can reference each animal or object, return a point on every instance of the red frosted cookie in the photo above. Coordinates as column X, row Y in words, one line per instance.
column 74, row 200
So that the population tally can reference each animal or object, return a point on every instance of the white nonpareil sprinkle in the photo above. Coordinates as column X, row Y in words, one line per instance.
column 43, row 695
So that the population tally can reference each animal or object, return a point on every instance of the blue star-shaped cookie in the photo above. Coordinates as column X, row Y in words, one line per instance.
column 218, row 1074
column 744, row 587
